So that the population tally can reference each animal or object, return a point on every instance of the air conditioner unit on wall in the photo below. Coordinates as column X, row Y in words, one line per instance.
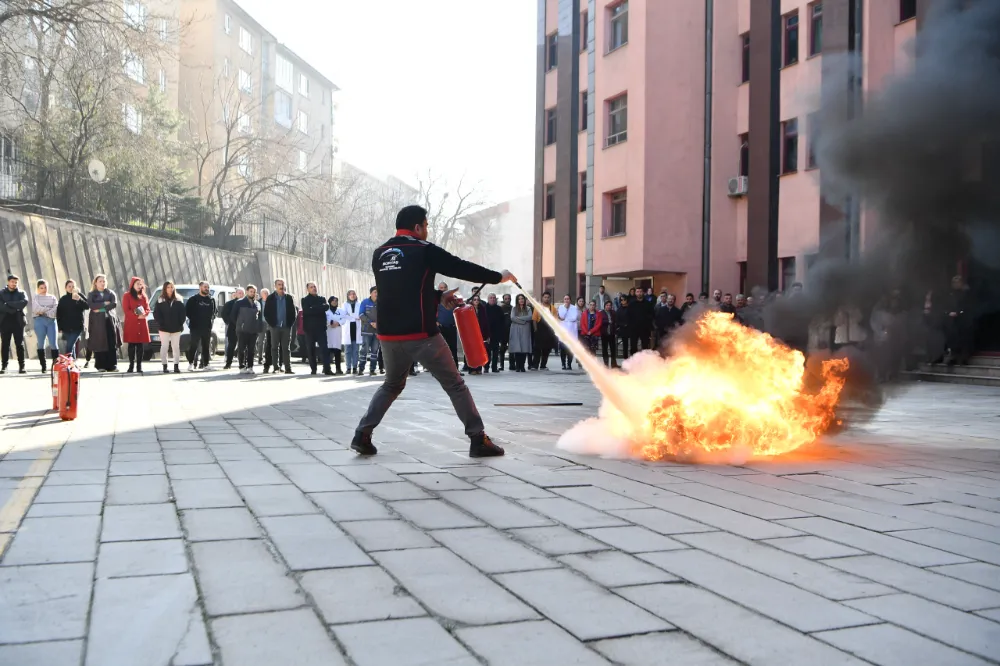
column 737, row 186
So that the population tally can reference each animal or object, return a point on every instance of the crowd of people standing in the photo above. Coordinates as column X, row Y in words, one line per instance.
column 260, row 326
column 342, row 338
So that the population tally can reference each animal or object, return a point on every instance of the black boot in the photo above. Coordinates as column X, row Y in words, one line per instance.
column 362, row 443
column 177, row 368
column 131, row 367
column 165, row 370
column 483, row 447
column 41, row 359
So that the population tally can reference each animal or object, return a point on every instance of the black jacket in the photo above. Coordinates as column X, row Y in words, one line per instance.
column 271, row 310
column 668, row 317
column 69, row 314
column 499, row 324
column 169, row 315
column 640, row 316
column 405, row 268
column 246, row 316
column 229, row 313
column 12, row 306
column 200, row 311
column 314, row 309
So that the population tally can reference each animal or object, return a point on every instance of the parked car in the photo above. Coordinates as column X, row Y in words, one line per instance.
column 220, row 293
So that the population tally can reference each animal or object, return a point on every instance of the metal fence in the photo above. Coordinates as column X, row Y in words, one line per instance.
column 74, row 195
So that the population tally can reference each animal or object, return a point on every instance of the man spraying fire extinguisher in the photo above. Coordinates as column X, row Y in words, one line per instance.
column 405, row 267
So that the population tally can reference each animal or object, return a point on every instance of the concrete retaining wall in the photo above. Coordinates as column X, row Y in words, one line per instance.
column 36, row 247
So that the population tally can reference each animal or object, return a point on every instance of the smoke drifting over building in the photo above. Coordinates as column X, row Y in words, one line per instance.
column 922, row 153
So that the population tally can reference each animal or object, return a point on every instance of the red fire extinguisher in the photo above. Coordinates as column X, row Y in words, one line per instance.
column 62, row 362
column 472, row 335
column 69, row 391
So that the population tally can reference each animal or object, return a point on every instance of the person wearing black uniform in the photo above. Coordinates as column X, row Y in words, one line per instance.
column 200, row 310
column 314, row 309
column 499, row 332
column 405, row 267
column 229, row 317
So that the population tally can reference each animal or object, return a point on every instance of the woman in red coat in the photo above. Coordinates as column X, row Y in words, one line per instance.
column 135, row 306
column 591, row 322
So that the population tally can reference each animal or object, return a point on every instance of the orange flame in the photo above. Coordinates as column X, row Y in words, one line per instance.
column 728, row 388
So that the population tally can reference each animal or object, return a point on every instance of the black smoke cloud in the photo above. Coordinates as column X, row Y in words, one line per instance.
column 919, row 155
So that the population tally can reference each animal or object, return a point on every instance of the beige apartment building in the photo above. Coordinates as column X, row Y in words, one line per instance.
column 234, row 72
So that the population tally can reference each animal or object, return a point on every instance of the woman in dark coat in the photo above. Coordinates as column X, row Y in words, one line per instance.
column 609, row 326
column 621, row 324
column 104, row 332
column 169, row 314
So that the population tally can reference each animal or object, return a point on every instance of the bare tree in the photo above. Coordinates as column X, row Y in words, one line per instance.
column 362, row 218
column 73, row 88
column 246, row 166
column 448, row 206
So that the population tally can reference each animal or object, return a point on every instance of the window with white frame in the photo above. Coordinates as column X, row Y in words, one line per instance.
column 246, row 81
column 225, row 112
column 135, row 14
column 133, row 67
column 225, row 67
column 228, row 24
column 164, row 29
column 303, row 160
column 133, row 119
column 617, row 120
column 284, row 75
column 163, row 81
column 303, row 85
column 617, row 206
column 243, row 122
column 303, row 122
column 618, row 25
column 246, row 40
column 283, row 108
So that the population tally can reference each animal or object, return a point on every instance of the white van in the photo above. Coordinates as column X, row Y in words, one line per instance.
column 220, row 293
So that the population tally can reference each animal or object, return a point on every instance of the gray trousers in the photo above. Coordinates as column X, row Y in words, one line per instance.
column 281, row 340
column 432, row 353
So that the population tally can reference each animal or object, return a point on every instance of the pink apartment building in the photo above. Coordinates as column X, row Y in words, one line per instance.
column 629, row 192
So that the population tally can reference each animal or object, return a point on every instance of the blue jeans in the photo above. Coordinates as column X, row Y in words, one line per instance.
column 45, row 327
column 351, row 352
column 69, row 343
column 369, row 349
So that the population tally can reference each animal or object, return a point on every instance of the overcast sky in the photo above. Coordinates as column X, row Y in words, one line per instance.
column 444, row 84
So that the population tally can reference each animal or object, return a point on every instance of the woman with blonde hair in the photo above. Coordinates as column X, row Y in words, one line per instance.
column 105, row 336
column 169, row 314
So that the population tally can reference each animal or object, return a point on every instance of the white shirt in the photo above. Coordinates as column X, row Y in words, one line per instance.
column 569, row 318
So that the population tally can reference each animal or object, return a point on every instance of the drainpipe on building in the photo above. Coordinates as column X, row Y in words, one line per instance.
column 857, row 100
column 706, row 201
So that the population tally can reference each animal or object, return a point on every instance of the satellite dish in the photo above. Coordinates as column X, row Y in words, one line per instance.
column 98, row 172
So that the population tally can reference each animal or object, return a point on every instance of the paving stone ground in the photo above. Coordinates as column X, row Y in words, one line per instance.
column 214, row 519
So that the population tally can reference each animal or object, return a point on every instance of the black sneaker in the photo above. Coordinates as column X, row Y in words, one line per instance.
column 483, row 447
column 362, row 443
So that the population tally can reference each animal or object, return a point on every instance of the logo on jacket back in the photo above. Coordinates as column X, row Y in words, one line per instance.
column 390, row 259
